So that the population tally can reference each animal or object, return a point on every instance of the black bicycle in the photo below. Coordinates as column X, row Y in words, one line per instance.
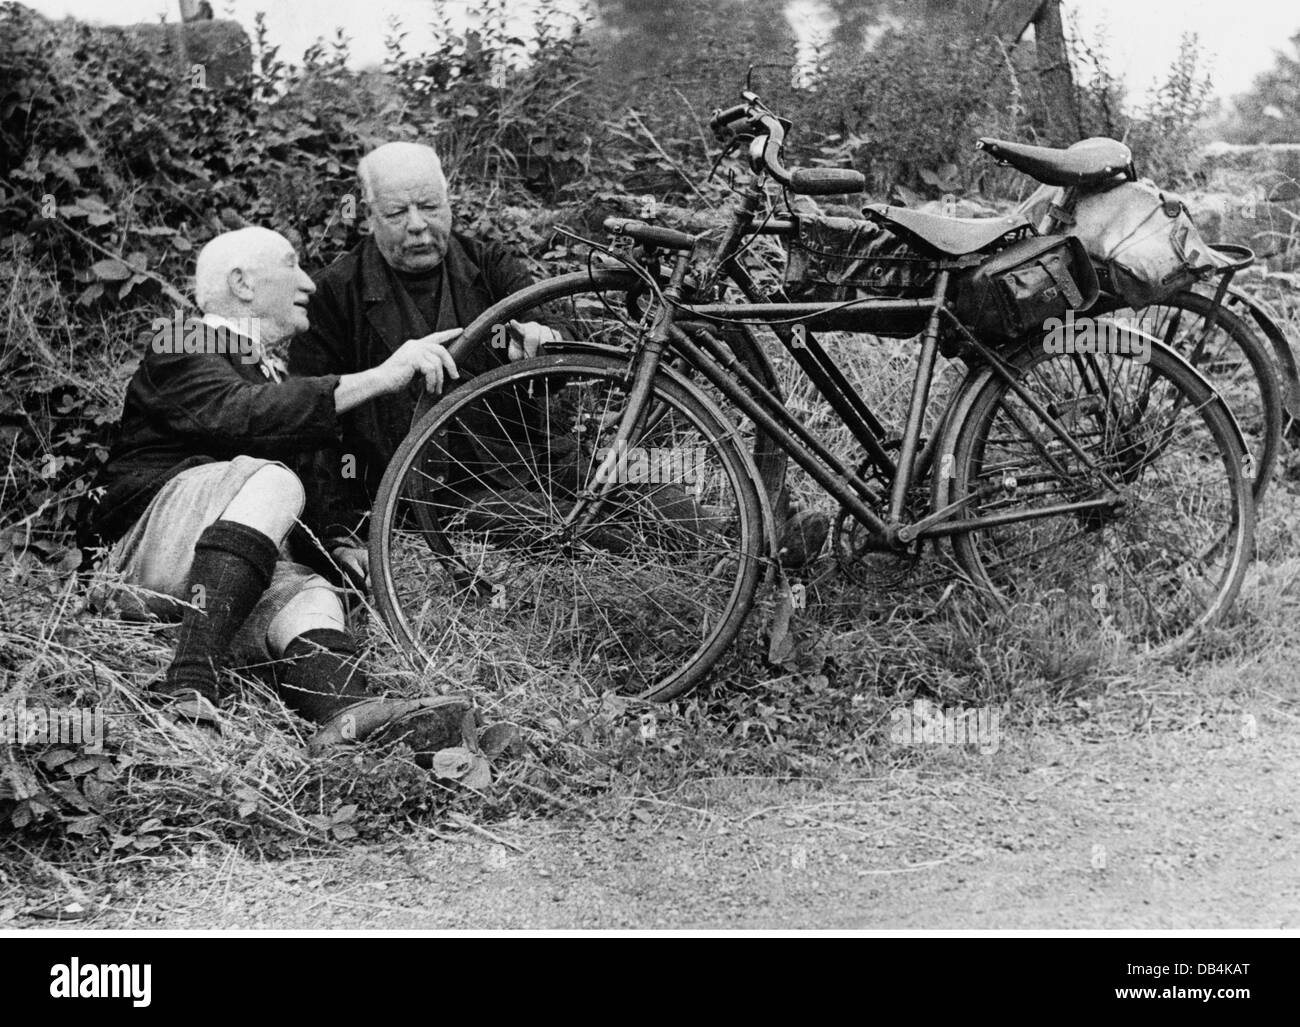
column 603, row 517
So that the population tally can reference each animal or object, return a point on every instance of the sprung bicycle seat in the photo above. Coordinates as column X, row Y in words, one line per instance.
column 1087, row 162
column 953, row 236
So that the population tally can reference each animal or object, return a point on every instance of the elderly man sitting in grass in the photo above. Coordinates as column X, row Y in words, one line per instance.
column 196, row 500
column 411, row 275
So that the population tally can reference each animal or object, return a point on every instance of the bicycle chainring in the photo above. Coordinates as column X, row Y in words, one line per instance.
column 864, row 562
column 861, row 557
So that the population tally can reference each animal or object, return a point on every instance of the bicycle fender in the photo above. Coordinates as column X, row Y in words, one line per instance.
column 1267, row 320
column 479, row 331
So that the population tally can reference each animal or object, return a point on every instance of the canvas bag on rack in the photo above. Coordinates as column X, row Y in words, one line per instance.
column 831, row 259
column 1145, row 238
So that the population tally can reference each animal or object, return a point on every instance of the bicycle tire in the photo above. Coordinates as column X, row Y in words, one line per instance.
column 539, row 556
column 1101, row 554
column 575, row 303
column 1252, row 390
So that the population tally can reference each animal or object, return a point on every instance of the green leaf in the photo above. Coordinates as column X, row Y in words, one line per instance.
column 479, row 776
column 111, row 270
column 81, row 765
column 90, row 294
column 780, row 646
column 497, row 738
column 56, row 758
column 452, row 764
column 83, row 826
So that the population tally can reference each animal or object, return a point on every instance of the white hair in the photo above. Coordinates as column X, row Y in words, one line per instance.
column 397, row 152
column 244, row 249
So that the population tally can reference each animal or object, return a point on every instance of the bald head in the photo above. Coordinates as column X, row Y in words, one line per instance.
column 407, row 205
column 253, row 272
column 394, row 164
column 245, row 250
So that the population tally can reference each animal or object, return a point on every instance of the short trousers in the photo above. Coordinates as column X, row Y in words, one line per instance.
column 153, row 559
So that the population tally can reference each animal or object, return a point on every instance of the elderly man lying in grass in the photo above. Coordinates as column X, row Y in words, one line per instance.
column 195, row 502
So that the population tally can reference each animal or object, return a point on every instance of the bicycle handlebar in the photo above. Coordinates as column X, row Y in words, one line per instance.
column 650, row 235
column 827, row 181
column 765, row 151
column 721, row 119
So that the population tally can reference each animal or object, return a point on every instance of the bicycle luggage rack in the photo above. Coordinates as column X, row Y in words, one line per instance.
column 1241, row 257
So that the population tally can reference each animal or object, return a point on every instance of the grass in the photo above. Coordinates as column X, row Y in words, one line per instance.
column 821, row 713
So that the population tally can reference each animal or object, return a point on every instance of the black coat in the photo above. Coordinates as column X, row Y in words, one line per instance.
column 186, row 409
column 359, row 316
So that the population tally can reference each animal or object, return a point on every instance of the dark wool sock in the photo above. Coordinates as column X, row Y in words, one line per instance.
column 233, row 564
column 323, row 676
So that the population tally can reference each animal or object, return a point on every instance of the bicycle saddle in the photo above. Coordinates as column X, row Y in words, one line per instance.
column 1086, row 162
column 953, row 236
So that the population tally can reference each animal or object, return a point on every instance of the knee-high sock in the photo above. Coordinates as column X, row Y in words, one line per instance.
column 233, row 565
column 323, row 676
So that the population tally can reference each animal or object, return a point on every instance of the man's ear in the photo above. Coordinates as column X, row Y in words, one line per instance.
column 240, row 284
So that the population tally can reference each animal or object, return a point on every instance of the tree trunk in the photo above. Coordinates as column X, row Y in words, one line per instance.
column 1055, row 79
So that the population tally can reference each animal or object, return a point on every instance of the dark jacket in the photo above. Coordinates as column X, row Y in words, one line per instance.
column 187, row 409
column 360, row 315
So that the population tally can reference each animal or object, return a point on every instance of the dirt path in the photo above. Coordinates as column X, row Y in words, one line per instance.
column 1077, row 827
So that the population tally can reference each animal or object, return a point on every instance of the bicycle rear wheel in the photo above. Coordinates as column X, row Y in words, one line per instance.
column 1237, row 361
column 476, row 543
column 1153, row 568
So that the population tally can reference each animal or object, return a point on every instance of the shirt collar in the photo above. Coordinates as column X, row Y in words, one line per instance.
column 259, row 353
column 220, row 321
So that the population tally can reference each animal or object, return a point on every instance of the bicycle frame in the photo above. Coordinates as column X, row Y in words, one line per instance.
column 676, row 321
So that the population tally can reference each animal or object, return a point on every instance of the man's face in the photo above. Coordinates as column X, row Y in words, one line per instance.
column 410, row 215
column 280, row 292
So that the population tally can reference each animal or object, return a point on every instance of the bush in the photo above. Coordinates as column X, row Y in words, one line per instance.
column 1165, row 132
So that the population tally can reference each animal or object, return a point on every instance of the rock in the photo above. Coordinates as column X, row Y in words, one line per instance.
column 1243, row 217
column 1281, row 159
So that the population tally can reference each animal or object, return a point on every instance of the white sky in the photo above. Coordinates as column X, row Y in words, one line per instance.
column 1240, row 36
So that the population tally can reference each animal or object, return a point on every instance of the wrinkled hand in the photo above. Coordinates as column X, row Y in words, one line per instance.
column 355, row 563
column 527, row 337
column 427, row 356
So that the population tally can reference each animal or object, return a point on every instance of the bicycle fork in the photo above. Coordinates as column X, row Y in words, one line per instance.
column 591, row 499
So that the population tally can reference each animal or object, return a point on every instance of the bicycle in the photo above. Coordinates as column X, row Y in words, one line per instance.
column 1219, row 333
column 510, row 512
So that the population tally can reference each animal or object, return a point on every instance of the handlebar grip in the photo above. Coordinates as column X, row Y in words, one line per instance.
column 650, row 235
column 826, row 181
column 721, row 119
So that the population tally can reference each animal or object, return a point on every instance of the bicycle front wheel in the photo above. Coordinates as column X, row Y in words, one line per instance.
column 485, row 540
column 1164, row 553
column 599, row 311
